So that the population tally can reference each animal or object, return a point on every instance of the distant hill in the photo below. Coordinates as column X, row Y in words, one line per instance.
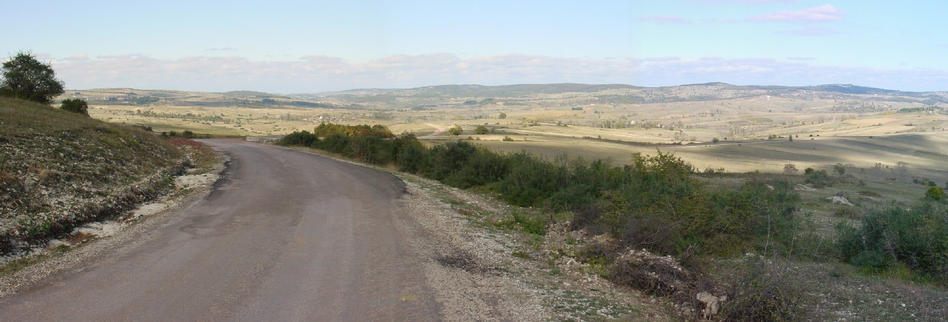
column 143, row 97
column 534, row 89
column 618, row 93
column 481, row 94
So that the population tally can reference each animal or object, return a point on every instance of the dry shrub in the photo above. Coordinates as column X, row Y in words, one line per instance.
column 658, row 234
column 763, row 291
column 656, row 275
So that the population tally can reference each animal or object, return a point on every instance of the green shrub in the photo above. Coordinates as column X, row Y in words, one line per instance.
column 481, row 130
column 531, row 180
column 917, row 237
column 846, row 212
column 456, row 130
column 75, row 105
column 935, row 193
column 303, row 138
column 818, row 178
column 411, row 156
column 448, row 158
column 480, row 168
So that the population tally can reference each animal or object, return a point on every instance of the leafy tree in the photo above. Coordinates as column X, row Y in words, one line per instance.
column 481, row 130
column 935, row 193
column 839, row 168
column 76, row 105
column 27, row 78
column 502, row 115
column 456, row 130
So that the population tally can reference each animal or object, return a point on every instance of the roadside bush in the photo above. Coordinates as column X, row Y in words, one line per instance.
column 303, row 138
column 655, row 202
column 917, row 237
column 448, row 158
column 75, row 105
column 330, row 129
column 481, row 168
column 531, row 180
column 411, row 156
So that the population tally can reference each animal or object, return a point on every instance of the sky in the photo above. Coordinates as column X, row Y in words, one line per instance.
column 314, row 46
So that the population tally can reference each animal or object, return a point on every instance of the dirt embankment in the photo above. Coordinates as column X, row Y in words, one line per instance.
column 59, row 170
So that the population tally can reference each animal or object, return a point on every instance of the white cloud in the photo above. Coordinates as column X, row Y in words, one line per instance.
column 324, row 73
column 824, row 13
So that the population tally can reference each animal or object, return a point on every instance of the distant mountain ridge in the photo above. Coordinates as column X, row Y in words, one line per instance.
column 623, row 93
column 420, row 97
column 554, row 88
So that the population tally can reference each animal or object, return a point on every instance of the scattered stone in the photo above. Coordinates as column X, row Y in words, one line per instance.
column 840, row 200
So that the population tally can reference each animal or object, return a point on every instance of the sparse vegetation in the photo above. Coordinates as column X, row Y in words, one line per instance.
column 60, row 170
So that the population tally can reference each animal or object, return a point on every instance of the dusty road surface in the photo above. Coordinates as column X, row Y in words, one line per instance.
column 286, row 236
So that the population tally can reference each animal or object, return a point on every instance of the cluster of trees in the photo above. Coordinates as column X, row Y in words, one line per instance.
column 25, row 77
column 654, row 203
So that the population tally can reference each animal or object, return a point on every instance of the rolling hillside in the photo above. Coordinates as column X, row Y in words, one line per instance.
column 60, row 169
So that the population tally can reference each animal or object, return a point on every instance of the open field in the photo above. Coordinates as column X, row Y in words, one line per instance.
column 890, row 139
column 892, row 143
column 860, row 127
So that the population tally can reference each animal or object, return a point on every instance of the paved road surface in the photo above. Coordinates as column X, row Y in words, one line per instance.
column 288, row 236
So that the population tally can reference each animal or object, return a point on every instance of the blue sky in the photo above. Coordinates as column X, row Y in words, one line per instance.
column 309, row 46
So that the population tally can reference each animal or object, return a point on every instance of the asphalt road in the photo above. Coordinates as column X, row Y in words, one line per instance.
column 287, row 236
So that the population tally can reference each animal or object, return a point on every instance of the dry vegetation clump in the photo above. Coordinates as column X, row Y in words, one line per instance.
column 763, row 290
column 62, row 169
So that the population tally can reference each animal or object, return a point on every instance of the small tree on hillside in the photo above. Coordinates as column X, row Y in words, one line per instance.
column 76, row 105
column 502, row 115
column 456, row 130
column 481, row 130
column 27, row 78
